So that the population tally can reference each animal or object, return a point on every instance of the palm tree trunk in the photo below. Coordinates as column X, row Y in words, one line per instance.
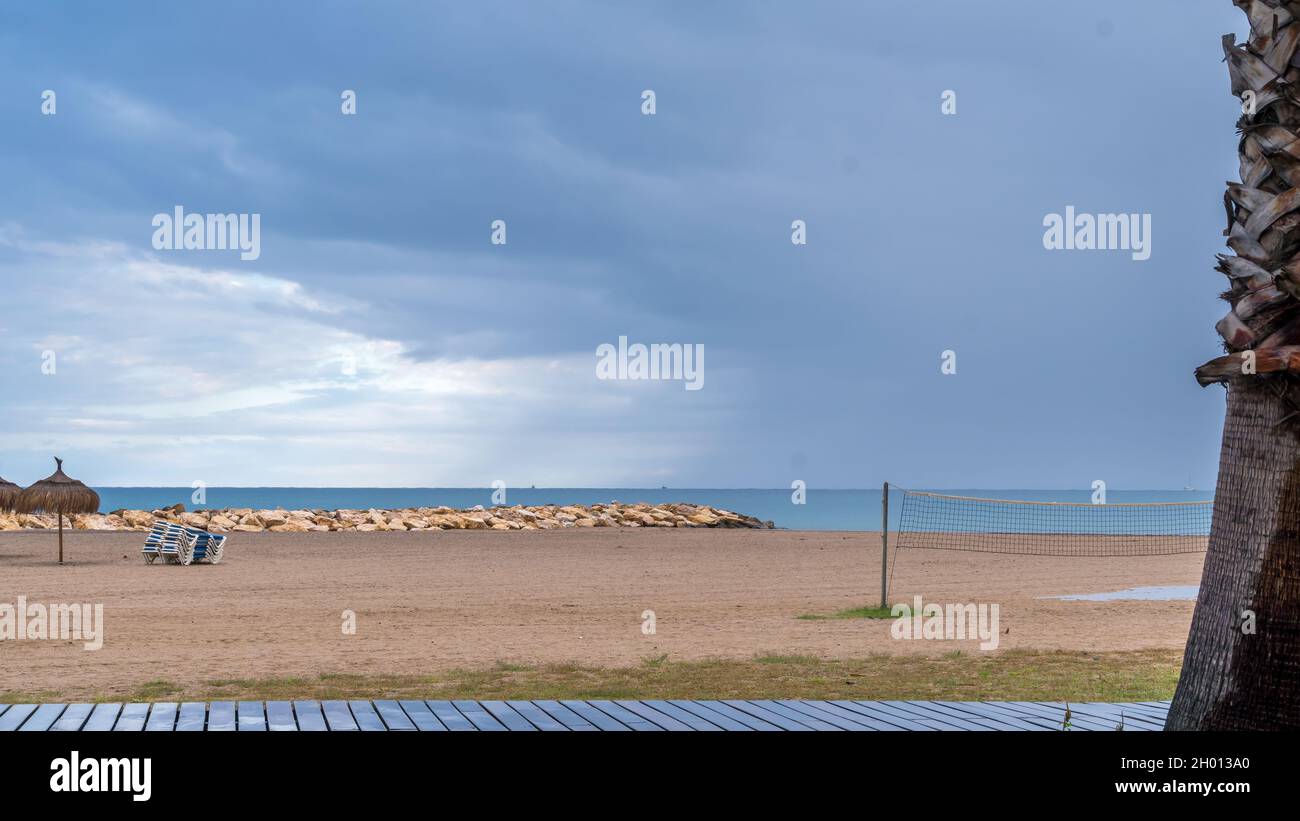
column 1242, row 663
column 1238, row 675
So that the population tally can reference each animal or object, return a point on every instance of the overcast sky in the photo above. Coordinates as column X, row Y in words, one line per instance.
column 382, row 339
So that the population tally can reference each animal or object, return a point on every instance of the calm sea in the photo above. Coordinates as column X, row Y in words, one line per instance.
column 822, row 510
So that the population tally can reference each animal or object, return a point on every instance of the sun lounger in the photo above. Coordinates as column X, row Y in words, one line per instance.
column 163, row 540
column 206, row 546
column 178, row 544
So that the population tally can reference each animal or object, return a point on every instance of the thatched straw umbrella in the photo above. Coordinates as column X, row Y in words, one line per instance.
column 60, row 495
column 8, row 495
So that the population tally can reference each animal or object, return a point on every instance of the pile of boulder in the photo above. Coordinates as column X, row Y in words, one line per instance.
column 544, row 517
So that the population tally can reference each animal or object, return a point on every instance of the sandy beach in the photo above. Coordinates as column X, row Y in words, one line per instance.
column 430, row 601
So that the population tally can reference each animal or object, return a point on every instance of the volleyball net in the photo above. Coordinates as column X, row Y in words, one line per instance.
column 940, row 522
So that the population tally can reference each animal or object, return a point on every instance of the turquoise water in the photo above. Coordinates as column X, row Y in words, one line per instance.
column 823, row 510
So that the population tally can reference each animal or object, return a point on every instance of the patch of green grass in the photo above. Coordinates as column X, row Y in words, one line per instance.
column 155, row 690
column 1013, row 675
column 852, row 613
column 507, row 667
column 777, row 658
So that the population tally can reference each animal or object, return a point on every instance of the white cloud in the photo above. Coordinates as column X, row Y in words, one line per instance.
column 170, row 371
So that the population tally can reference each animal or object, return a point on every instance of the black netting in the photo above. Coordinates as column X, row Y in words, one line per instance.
column 936, row 521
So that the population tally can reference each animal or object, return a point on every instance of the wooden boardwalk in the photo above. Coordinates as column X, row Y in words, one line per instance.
column 593, row 715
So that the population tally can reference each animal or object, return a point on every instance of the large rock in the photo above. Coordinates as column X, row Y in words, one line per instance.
column 138, row 518
column 541, row 517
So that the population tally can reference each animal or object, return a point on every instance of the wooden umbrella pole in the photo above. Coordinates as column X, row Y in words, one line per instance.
column 60, row 515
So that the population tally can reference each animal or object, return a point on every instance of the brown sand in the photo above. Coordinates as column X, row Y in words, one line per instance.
column 435, row 600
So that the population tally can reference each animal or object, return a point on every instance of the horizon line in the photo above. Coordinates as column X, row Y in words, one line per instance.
column 627, row 487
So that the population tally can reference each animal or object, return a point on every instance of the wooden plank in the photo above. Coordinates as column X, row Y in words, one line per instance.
column 43, row 718
column 279, row 717
column 481, row 718
column 600, row 720
column 537, row 716
column 1156, row 713
column 897, row 721
column 777, row 719
column 1050, row 717
column 938, row 709
column 15, row 716
column 1036, row 720
column 367, row 719
column 3, row 707
column 840, row 717
column 422, row 717
column 982, row 715
column 684, row 716
column 653, row 716
column 837, row 716
column 794, row 715
column 1058, row 707
column 886, row 710
column 1138, row 722
column 221, row 717
column 192, row 718
column 1053, row 717
column 1056, row 712
column 309, row 716
column 393, row 716
column 73, row 718
column 628, row 719
column 1111, row 721
column 1111, row 714
column 450, row 717
column 132, row 718
column 567, row 716
column 506, row 715
column 102, row 718
column 338, row 716
column 1152, row 716
column 1142, row 710
column 510, row 717
column 251, row 717
column 942, row 720
column 730, row 720
column 162, row 718
column 728, row 711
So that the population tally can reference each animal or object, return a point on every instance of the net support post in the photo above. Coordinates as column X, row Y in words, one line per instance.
column 884, row 546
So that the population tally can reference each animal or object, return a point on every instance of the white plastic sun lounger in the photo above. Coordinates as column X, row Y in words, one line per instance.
column 178, row 544
column 205, row 546
column 163, row 540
